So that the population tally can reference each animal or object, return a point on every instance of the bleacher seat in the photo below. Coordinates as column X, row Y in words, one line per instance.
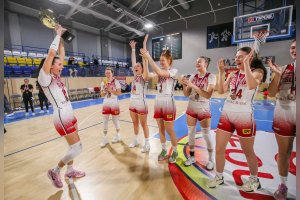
column 37, row 61
column 26, row 70
column 65, row 62
column 40, row 55
column 21, row 61
column 65, row 72
column 80, row 63
column 5, row 60
column 28, row 61
column 32, row 55
column 17, row 70
column 45, row 55
column 7, row 53
column 24, row 54
column 16, row 53
column 7, row 71
column 12, row 60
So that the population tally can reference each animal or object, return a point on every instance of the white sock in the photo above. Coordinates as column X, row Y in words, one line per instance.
column 174, row 148
column 163, row 146
column 146, row 141
column 56, row 169
column 254, row 177
column 70, row 168
column 211, row 156
column 220, row 175
column 283, row 179
column 136, row 137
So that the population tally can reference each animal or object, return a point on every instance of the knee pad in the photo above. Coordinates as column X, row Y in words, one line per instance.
column 116, row 122
column 207, row 138
column 74, row 150
column 105, row 122
column 192, row 133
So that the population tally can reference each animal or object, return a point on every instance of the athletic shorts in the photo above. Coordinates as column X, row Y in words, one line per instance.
column 111, row 106
column 64, row 120
column 138, row 106
column 242, row 122
column 284, row 122
column 164, row 108
column 198, row 111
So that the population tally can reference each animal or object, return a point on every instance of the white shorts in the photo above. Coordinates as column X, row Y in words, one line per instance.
column 111, row 106
column 64, row 120
column 164, row 108
column 284, row 122
column 138, row 106
column 198, row 110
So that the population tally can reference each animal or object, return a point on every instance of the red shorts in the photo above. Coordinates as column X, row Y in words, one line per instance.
column 138, row 106
column 197, row 111
column 284, row 122
column 64, row 121
column 110, row 107
column 242, row 122
column 164, row 108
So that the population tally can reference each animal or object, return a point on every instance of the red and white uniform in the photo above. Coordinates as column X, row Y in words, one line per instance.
column 138, row 95
column 198, row 106
column 56, row 92
column 284, row 122
column 111, row 103
column 164, row 106
column 238, row 111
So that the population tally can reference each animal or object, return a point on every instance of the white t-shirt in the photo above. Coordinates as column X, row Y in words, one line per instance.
column 113, row 85
column 165, row 86
column 201, row 82
column 243, row 99
column 139, row 87
column 54, row 89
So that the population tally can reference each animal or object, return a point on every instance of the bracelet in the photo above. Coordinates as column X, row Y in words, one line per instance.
column 133, row 49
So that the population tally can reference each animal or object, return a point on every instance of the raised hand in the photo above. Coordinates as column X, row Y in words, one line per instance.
column 248, row 58
column 221, row 64
column 274, row 67
column 145, row 54
column 132, row 44
column 145, row 42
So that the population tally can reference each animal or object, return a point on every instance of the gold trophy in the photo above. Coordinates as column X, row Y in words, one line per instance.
column 49, row 19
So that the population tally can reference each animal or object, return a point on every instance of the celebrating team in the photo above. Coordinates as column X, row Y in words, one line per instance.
column 237, row 114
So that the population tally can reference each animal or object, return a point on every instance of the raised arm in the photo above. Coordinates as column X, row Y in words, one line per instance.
column 222, row 84
column 52, row 50
column 154, row 66
column 273, row 86
column 61, row 51
column 145, row 61
column 253, row 79
column 133, row 56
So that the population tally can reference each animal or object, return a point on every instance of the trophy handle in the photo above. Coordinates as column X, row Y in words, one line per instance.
column 67, row 36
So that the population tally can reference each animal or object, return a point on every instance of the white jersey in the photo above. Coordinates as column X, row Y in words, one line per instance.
column 165, row 86
column 240, row 98
column 54, row 90
column 201, row 82
column 287, row 86
column 139, row 88
column 113, row 85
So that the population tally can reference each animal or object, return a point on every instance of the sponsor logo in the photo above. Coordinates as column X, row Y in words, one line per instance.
column 169, row 116
column 246, row 131
column 260, row 18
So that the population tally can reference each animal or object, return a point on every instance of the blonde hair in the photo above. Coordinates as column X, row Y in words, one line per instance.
column 168, row 56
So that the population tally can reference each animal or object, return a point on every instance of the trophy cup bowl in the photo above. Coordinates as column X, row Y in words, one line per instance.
column 49, row 19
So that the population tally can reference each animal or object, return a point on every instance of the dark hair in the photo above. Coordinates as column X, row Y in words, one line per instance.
column 258, row 64
column 294, row 40
column 109, row 68
column 245, row 49
column 26, row 79
column 43, row 60
column 168, row 56
column 207, row 59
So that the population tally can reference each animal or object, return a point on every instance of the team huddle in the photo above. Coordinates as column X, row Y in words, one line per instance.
column 237, row 114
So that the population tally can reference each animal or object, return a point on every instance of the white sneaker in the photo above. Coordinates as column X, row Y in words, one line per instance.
column 190, row 160
column 47, row 111
column 135, row 143
column 41, row 112
column 117, row 138
column 104, row 142
column 251, row 185
column 26, row 114
column 214, row 182
column 10, row 115
column 145, row 148
column 210, row 165
column 33, row 114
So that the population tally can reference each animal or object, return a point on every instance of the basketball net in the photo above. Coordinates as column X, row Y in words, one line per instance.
column 259, row 38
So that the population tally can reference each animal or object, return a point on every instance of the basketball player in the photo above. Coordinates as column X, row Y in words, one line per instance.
column 238, row 113
column 110, row 90
column 199, row 88
column 64, row 120
column 164, row 107
column 283, row 86
column 138, row 105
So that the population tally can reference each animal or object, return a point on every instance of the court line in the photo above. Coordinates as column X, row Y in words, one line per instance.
column 73, row 189
column 132, row 123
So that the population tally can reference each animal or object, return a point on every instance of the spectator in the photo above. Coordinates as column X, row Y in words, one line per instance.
column 42, row 98
column 179, row 86
column 71, row 60
column 27, row 90
column 95, row 60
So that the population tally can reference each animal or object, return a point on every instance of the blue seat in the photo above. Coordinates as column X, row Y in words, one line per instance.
column 27, row 70
column 7, row 71
column 65, row 72
column 17, row 70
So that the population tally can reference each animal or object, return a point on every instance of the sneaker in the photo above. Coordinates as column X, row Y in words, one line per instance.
column 10, row 115
column 104, row 142
column 251, row 185
column 26, row 114
column 41, row 112
column 135, row 143
column 214, row 182
column 162, row 155
column 173, row 157
column 55, row 178
column 33, row 114
column 75, row 174
column 190, row 160
column 210, row 165
column 47, row 111
column 281, row 192
column 145, row 148
column 116, row 139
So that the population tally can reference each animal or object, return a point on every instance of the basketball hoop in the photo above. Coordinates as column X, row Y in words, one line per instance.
column 259, row 38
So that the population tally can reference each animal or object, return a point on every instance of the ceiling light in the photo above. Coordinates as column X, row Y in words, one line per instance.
column 148, row 26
